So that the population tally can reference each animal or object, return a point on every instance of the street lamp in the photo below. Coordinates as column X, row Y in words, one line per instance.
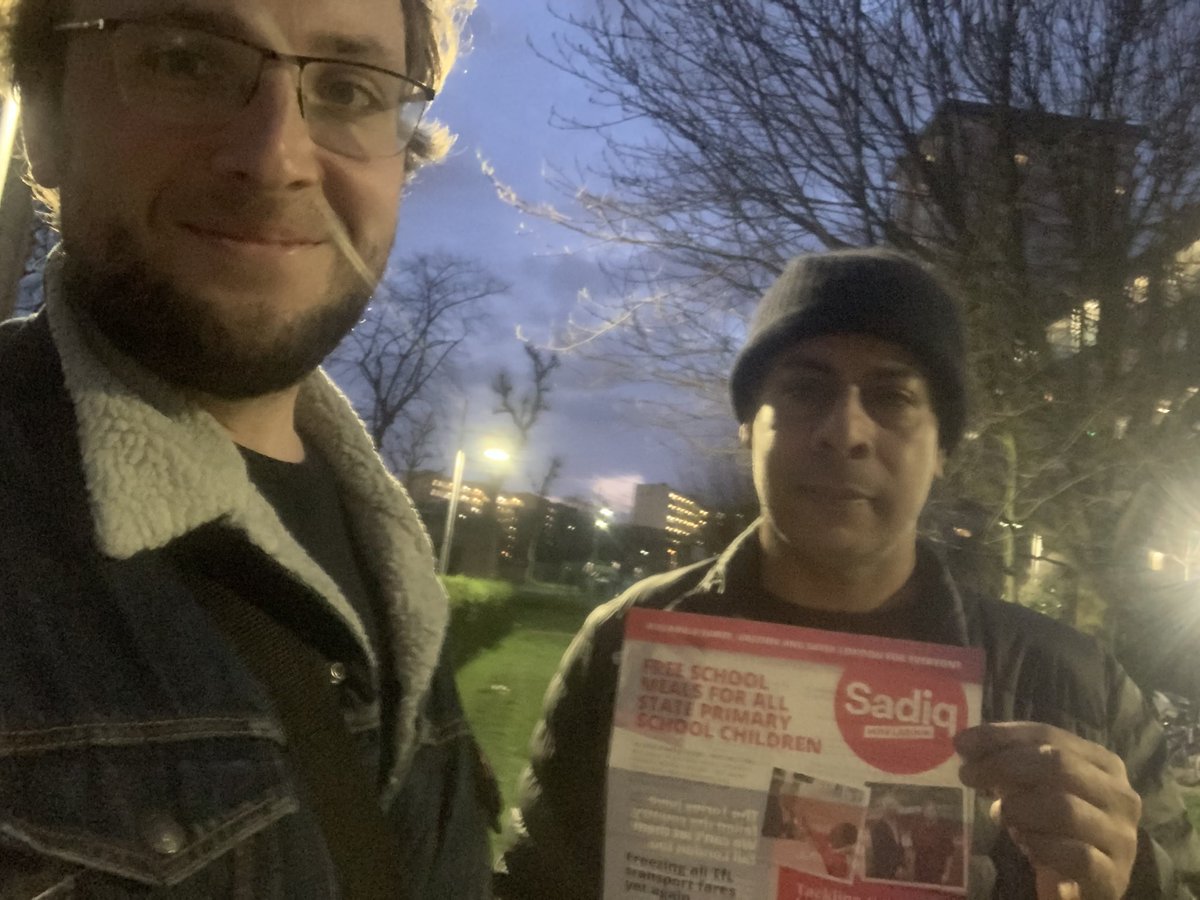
column 602, row 523
column 495, row 454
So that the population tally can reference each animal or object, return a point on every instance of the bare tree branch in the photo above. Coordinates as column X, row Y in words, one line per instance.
column 526, row 409
column 427, row 306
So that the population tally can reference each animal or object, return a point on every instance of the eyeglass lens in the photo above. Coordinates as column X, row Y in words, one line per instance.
column 193, row 77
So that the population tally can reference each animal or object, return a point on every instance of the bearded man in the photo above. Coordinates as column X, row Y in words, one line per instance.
column 221, row 635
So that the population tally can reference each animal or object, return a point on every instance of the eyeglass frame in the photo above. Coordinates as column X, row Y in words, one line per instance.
column 112, row 23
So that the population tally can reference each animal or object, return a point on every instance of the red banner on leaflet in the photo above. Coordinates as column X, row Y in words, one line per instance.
column 799, row 886
column 753, row 760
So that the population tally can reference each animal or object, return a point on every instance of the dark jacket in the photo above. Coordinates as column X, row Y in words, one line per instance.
column 1036, row 669
column 885, row 859
column 138, row 753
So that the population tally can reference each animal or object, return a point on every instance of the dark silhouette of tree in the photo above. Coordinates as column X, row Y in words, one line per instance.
column 412, row 442
column 525, row 410
column 403, row 351
column 542, row 492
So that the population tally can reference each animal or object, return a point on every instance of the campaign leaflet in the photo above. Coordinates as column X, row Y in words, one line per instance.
column 752, row 760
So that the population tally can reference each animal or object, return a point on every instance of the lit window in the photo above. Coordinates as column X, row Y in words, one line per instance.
column 1078, row 330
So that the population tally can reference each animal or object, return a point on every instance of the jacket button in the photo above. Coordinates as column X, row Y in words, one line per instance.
column 163, row 834
column 337, row 673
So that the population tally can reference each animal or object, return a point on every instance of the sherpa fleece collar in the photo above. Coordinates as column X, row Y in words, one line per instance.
column 157, row 467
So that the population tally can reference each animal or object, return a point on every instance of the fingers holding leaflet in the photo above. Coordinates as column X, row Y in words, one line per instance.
column 1066, row 801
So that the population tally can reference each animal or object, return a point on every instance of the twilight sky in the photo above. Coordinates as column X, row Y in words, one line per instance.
column 499, row 100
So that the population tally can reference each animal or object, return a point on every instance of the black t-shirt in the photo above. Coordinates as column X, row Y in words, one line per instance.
column 305, row 496
column 306, row 499
column 906, row 620
column 900, row 621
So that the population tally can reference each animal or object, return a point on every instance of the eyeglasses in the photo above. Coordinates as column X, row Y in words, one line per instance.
column 189, row 76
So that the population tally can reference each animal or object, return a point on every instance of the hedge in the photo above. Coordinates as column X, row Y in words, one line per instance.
column 481, row 613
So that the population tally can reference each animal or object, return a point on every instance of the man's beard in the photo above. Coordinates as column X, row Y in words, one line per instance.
column 183, row 338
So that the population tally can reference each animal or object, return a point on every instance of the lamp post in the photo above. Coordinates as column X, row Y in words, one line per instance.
column 460, row 461
column 598, row 577
column 602, row 522
column 495, row 454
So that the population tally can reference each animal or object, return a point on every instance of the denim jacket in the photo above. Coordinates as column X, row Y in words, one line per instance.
column 138, row 755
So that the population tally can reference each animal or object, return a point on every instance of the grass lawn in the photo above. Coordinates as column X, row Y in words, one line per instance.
column 1191, row 796
column 502, row 688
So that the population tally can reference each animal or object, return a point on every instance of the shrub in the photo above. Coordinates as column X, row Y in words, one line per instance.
column 481, row 613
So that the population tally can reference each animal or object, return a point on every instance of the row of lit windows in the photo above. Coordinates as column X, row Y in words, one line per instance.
column 684, row 526
column 689, row 507
column 468, row 495
column 442, row 489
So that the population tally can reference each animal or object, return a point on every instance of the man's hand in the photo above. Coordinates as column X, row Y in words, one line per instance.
column 1066, row 802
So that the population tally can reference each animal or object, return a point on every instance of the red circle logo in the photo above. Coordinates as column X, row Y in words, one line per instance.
column 899, row 719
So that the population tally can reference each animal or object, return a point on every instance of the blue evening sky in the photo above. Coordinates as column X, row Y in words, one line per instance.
column 499, row 100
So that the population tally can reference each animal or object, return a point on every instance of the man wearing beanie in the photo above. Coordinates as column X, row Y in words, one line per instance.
column 850, row 394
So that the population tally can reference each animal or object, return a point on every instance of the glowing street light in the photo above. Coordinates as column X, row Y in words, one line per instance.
column 604, row 518
column 493, row 454
column 602, row 522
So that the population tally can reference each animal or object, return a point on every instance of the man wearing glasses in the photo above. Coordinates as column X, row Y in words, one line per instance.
column 221, row 637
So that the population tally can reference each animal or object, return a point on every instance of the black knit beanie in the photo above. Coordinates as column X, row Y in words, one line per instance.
column 881, row 293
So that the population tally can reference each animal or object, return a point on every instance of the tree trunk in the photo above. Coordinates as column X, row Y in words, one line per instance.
column 1011, row 588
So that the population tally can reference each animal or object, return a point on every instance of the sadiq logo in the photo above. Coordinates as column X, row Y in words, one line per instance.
column 899, row 719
